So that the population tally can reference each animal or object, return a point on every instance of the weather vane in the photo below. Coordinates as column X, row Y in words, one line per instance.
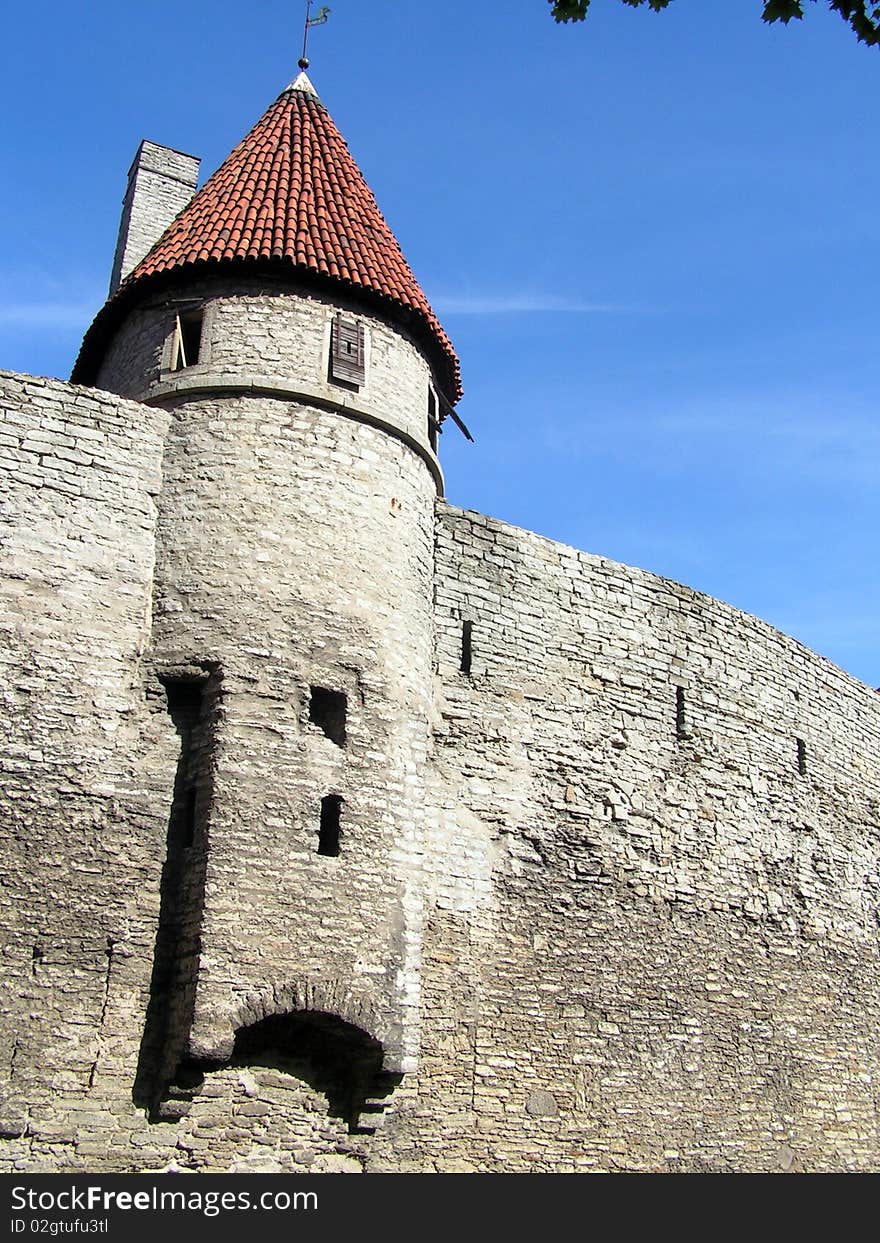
column 318, row 20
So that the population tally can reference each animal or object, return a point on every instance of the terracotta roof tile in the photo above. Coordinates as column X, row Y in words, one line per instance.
column 291, row 193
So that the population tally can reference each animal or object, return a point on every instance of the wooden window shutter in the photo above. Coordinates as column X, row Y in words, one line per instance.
column 347, row 350
column 187, row 339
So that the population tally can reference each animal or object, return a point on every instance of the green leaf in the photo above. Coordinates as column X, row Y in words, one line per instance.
column 863, row 16
column 569, row 10
column 782, row 10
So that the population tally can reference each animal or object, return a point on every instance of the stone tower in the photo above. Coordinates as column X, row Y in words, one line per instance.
column 278, row 323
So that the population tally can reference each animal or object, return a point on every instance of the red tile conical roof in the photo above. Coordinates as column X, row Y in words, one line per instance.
column 290, row 193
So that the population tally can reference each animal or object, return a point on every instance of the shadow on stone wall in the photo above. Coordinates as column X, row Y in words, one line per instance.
column 192, row 699
column 335, row 1058
column 330, row 1056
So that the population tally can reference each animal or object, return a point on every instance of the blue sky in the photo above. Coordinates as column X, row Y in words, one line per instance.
column 653, row 239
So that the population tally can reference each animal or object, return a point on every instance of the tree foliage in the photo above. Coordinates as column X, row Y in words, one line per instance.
column 862, row 15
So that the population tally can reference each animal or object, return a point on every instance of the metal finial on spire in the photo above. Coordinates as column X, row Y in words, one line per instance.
column 318, row 20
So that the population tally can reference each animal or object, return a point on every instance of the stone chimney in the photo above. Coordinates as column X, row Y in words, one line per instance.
column 161, row 182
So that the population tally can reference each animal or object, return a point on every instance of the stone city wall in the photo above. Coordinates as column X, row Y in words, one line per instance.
column 82, row 834
column 652, row 942
column 606, row 887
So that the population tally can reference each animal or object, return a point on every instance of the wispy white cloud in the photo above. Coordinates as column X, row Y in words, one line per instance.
column 795, row 439
column 60, row 300
column 522, row 304
column 49, row 314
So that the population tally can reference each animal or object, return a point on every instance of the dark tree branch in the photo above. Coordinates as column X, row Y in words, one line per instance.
column 863, row 16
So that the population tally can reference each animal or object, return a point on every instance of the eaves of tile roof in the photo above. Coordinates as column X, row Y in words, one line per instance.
column 291, row 198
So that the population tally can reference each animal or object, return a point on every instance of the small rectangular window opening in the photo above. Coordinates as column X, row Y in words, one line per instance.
column 187, row 339
column 327, row 710
column 801, row 756
column 432, row 419
column 681, row 725
column 184, row 697
column 347, row 351
column 467, row 631
column 329, row 831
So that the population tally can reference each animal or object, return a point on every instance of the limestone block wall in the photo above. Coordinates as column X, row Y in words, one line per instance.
column 266, row 332
column 272, row 578
column 296, row 556
column 652, row 940
column 295, row 559
column 83, row 826
column 607, row 885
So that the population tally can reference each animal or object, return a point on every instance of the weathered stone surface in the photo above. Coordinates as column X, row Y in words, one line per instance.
column 605, row 898
column 258, row 332
column 675, row 937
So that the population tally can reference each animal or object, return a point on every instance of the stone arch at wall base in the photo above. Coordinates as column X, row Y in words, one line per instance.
column 291, row 1084
column 212, row 1040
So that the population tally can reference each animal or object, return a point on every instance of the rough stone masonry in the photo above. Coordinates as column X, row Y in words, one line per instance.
column 344, row 830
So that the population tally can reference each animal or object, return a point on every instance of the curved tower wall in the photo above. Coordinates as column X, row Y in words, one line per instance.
column 658, row 871
column 295, row 541
column 257, row 332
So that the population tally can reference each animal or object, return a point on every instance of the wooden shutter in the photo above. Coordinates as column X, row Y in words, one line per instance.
column 187, row 339
column 347, row 350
